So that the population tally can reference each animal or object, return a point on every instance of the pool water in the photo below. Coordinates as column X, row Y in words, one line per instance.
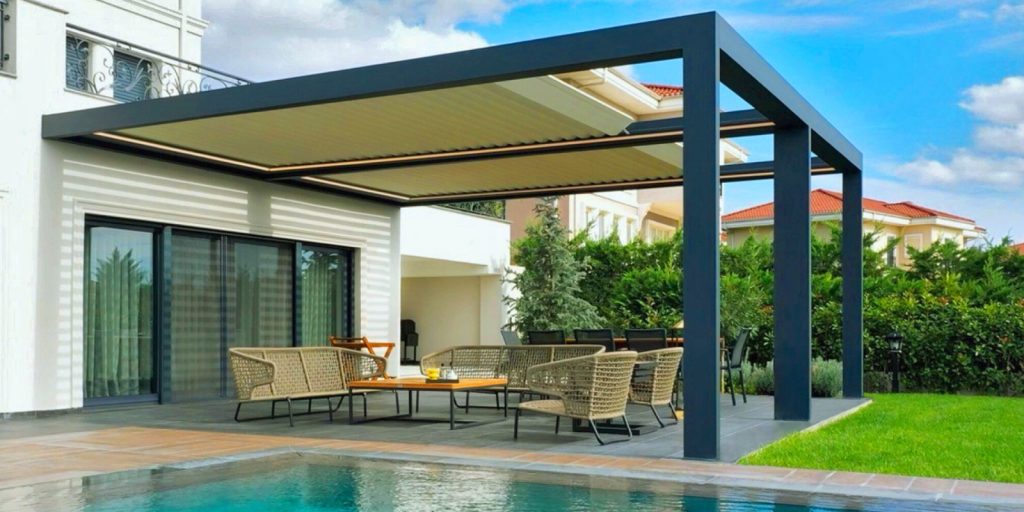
column 330, row 482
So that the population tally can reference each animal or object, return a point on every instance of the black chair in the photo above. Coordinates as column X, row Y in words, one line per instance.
column 642, row 340
column 736, row 356
column 556, row 337
column 510, row 338
column 602, row 337
column 409, row 338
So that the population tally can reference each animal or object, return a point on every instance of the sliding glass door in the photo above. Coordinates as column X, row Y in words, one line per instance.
column 197, row 316
column 217, row 291
column 119, row 328
column 260, row 277
column 325, row 275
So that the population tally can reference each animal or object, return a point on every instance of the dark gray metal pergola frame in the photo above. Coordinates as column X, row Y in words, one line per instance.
column 712, row 53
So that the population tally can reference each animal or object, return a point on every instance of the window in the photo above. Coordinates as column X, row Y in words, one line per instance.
column 6, row 35
column 76, row 64
column 120, row 351
column 890, row 253
column 132, row 77
column 221, row 290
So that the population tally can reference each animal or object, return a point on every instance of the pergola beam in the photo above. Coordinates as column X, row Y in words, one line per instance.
column 732, row 173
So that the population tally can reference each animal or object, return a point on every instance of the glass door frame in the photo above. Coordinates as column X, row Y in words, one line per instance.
column 157, row 330
column 162, row 277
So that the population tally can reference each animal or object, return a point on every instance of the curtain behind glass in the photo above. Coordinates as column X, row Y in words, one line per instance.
column 259, row 277
column 321, row 281
column 196, row 293
column 118, row 313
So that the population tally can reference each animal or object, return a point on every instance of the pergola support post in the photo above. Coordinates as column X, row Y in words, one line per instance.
column 701, row 218
column 852, row 262
column 792, row 273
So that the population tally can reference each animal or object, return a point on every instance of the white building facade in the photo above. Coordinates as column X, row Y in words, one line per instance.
column 78, row 223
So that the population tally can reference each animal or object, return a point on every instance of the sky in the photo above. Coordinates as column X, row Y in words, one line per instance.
column 931, row 91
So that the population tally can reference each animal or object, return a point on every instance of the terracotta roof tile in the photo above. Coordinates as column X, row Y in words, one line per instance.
column 825, row 202
column 1018, row 247
column 665, row 91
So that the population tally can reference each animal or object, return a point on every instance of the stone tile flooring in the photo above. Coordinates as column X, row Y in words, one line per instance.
column 99, row 441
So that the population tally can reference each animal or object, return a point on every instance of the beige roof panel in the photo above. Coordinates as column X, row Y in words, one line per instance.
column 522, row 111
column 616, row 165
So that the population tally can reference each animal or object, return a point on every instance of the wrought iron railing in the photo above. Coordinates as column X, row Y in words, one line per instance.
column 102, row 65
column 5, row 18
column 494, row 209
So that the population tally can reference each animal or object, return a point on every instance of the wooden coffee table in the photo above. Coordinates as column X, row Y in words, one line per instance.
column 421, row 384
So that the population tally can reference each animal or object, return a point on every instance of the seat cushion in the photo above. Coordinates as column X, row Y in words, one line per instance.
column 555, row 407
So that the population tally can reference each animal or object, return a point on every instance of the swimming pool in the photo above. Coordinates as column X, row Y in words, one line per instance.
column 321, row 482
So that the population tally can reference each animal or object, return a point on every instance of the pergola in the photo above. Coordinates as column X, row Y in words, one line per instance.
column 456, row 127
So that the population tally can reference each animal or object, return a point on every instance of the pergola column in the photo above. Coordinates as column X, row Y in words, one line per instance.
column 792, row 273
column 853, row 285
column 701, row 218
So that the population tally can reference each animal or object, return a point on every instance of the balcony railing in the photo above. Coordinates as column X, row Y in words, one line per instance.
column 495, row 209
column 5, row 18
column 105, row 66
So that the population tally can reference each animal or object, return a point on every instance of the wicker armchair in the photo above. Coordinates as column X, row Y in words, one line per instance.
column 299, row 373
column 654, row 379
column 590, row 388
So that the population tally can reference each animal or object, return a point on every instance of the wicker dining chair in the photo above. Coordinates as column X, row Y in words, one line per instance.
column 642, row 340
column 553, row 337
column 654, row 380
column 590, row 388
column 603, row 337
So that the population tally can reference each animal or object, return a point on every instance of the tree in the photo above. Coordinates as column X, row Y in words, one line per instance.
column 548, row 287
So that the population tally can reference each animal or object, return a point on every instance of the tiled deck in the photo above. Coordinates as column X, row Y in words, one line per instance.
column 91, row 442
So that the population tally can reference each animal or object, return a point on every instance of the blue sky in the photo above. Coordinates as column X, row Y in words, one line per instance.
column 931, row 91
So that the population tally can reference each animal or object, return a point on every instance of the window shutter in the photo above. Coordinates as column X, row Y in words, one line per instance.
column 132, row 77
column 76, row 64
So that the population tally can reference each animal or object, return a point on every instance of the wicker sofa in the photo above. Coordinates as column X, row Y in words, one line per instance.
column 299, row 373
column 497, row 361
column 654, row 380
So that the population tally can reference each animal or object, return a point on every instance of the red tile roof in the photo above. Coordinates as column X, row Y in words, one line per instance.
column 665, row 91
column 824, row 202
column 1018, row 247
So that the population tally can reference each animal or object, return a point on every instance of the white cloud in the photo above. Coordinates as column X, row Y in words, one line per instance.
column 999, row 103
column 1008, row 139
column 265, row 39
column 1009, row 12
column 792, row 23
column 965, row 167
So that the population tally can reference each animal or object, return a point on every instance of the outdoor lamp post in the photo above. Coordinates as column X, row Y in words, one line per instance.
column 895, row 340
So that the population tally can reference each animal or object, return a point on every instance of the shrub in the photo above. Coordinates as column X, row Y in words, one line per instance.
column 877, row 382
column 826, row 378
column 762, row 379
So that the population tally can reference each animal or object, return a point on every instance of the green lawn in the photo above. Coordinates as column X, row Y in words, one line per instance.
column 947, row 436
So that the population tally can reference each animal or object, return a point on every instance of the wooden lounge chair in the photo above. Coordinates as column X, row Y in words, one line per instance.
column 591, row 388
column 654, row 380
column 299, row 373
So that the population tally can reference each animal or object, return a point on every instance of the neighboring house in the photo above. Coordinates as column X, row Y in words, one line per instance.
column 909, row 224
column 124, row 278
column 650, row 214
column 1019, row 248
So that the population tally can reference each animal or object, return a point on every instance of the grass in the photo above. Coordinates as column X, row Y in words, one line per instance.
column 945, row 436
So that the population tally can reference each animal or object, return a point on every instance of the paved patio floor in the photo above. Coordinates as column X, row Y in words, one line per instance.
column 745, row 427
column 61, row 451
